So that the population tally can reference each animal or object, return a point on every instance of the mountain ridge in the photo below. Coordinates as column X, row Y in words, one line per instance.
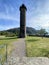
column 29, row 31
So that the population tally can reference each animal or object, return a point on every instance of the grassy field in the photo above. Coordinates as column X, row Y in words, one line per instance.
column 37, row 46
column 6, row 41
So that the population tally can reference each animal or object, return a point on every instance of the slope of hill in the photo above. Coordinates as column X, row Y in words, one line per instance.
column 31, row 31
column 16, row 31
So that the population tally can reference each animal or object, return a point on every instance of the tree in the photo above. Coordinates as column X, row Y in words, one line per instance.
column 42, row 32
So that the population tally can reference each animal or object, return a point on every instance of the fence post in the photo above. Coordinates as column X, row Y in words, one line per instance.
column 1, row 60
column 6, row 52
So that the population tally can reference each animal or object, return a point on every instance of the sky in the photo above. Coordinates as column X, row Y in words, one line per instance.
column 37, row 14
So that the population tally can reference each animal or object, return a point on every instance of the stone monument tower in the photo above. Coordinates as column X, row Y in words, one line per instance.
column 23, row 10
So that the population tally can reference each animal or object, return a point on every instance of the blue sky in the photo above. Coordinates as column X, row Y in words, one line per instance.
column 37, row 15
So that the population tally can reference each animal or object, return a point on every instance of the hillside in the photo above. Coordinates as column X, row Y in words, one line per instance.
column 15, row 31
column 29, row 31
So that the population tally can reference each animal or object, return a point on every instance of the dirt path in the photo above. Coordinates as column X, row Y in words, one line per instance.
column 19, row 48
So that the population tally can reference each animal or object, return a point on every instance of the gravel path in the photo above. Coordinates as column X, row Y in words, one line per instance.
column 19, row 48
column 28, row 61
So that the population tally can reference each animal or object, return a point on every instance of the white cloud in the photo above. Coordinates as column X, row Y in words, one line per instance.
column 46, row 25
column 8, row 17
column 42, row 20
column 7, row 27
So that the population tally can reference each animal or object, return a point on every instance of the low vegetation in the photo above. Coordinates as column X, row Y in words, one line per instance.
column 3, row 42
column 37, row 46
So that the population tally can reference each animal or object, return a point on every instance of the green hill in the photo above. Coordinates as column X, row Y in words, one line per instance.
column 16, row 31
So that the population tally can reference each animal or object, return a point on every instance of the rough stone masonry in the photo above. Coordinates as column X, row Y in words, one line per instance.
column 23, row 10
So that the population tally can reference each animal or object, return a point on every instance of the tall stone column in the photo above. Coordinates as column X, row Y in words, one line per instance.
column 23, row 21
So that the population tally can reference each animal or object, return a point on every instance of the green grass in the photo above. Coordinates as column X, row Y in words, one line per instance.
column 37, row 47
column 6, row 41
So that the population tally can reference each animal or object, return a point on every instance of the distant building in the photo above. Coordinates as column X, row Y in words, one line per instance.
column 23, row 10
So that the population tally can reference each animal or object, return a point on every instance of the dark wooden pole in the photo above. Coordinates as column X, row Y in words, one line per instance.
column 6, row 52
